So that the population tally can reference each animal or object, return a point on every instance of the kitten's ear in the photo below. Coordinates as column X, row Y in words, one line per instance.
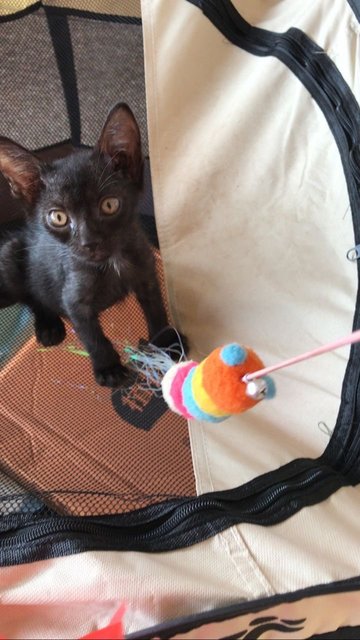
column 120, row 140
column 21, row 169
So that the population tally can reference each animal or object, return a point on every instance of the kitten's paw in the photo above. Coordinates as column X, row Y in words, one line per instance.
column 50, row 331
column 114, row 376
column 173, row 341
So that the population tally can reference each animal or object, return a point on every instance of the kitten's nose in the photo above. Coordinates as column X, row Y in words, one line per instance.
column 90, row 246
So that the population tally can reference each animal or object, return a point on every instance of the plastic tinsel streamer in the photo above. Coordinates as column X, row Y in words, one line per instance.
column 151, row 363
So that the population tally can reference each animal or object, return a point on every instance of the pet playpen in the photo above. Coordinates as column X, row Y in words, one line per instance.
column 247, row 529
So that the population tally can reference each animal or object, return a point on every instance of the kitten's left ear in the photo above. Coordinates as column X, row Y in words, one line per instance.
column 120, row 140
column 21, row 168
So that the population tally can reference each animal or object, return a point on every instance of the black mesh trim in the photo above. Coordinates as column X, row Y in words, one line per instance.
column 61, row 40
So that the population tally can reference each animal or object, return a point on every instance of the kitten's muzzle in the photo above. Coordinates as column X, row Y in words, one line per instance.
column 93, row 252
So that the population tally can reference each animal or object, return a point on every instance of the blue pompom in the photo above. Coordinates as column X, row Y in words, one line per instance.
column 270, row 388
column 233, row 354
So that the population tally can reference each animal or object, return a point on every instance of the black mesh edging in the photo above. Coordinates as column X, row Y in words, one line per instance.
column 61, row 41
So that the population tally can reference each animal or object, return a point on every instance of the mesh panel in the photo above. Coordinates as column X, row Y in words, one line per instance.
column 109, row 67
column 32, row 106
column 64, row 440
column 100, row 84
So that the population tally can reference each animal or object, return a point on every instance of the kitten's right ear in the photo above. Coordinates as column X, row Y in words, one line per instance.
column 21, row 168
column 120, row 140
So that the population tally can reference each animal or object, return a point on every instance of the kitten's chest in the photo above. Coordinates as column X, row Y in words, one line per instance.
column 98, row 288
column 108, row 289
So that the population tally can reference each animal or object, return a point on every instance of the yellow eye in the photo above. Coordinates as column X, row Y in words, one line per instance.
column 109, row 206
column 58, row 218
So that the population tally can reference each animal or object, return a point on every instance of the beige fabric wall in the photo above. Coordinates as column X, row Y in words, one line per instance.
column 254, row 222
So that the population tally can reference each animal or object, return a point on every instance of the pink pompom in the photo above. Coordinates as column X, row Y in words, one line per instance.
column 172, row 384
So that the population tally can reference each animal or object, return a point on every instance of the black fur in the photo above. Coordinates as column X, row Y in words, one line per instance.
column 95, row 259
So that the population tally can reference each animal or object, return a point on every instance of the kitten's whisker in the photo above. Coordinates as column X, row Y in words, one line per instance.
column 35, row 246
column 106, row 181
column 107, row 164
column 113, row 173
column 108, row 184
column 18, row 249
column 104, row 169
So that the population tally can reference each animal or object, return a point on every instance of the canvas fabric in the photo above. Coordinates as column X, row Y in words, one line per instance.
column 254, row 227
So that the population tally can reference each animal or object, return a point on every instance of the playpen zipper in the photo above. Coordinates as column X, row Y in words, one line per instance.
column 351, row 463
column 279, row 496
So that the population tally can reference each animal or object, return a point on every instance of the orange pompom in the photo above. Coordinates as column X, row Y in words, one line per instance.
column 224, row 384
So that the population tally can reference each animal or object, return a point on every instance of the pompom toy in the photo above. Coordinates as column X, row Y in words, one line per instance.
column 211, row 390
column 232, row 379
column 215, row 388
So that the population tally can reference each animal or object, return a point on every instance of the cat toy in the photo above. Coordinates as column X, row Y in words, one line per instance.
column 211, row 390
column 215, row 388
column 229, row 381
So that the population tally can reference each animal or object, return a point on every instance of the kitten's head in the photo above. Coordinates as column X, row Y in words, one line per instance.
column 87, row 199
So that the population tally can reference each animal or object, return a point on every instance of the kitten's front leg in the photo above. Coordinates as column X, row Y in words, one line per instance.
column 49, row 328
column 148, row 293
column 108, row 369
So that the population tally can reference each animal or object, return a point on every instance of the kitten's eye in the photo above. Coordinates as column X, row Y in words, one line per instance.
column 58, row 218
column 109, row 206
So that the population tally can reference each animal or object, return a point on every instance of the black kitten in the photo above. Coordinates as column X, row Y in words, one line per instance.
column 81, row 249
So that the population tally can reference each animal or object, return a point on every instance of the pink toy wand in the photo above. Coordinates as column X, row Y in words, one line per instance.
column 331, row 346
